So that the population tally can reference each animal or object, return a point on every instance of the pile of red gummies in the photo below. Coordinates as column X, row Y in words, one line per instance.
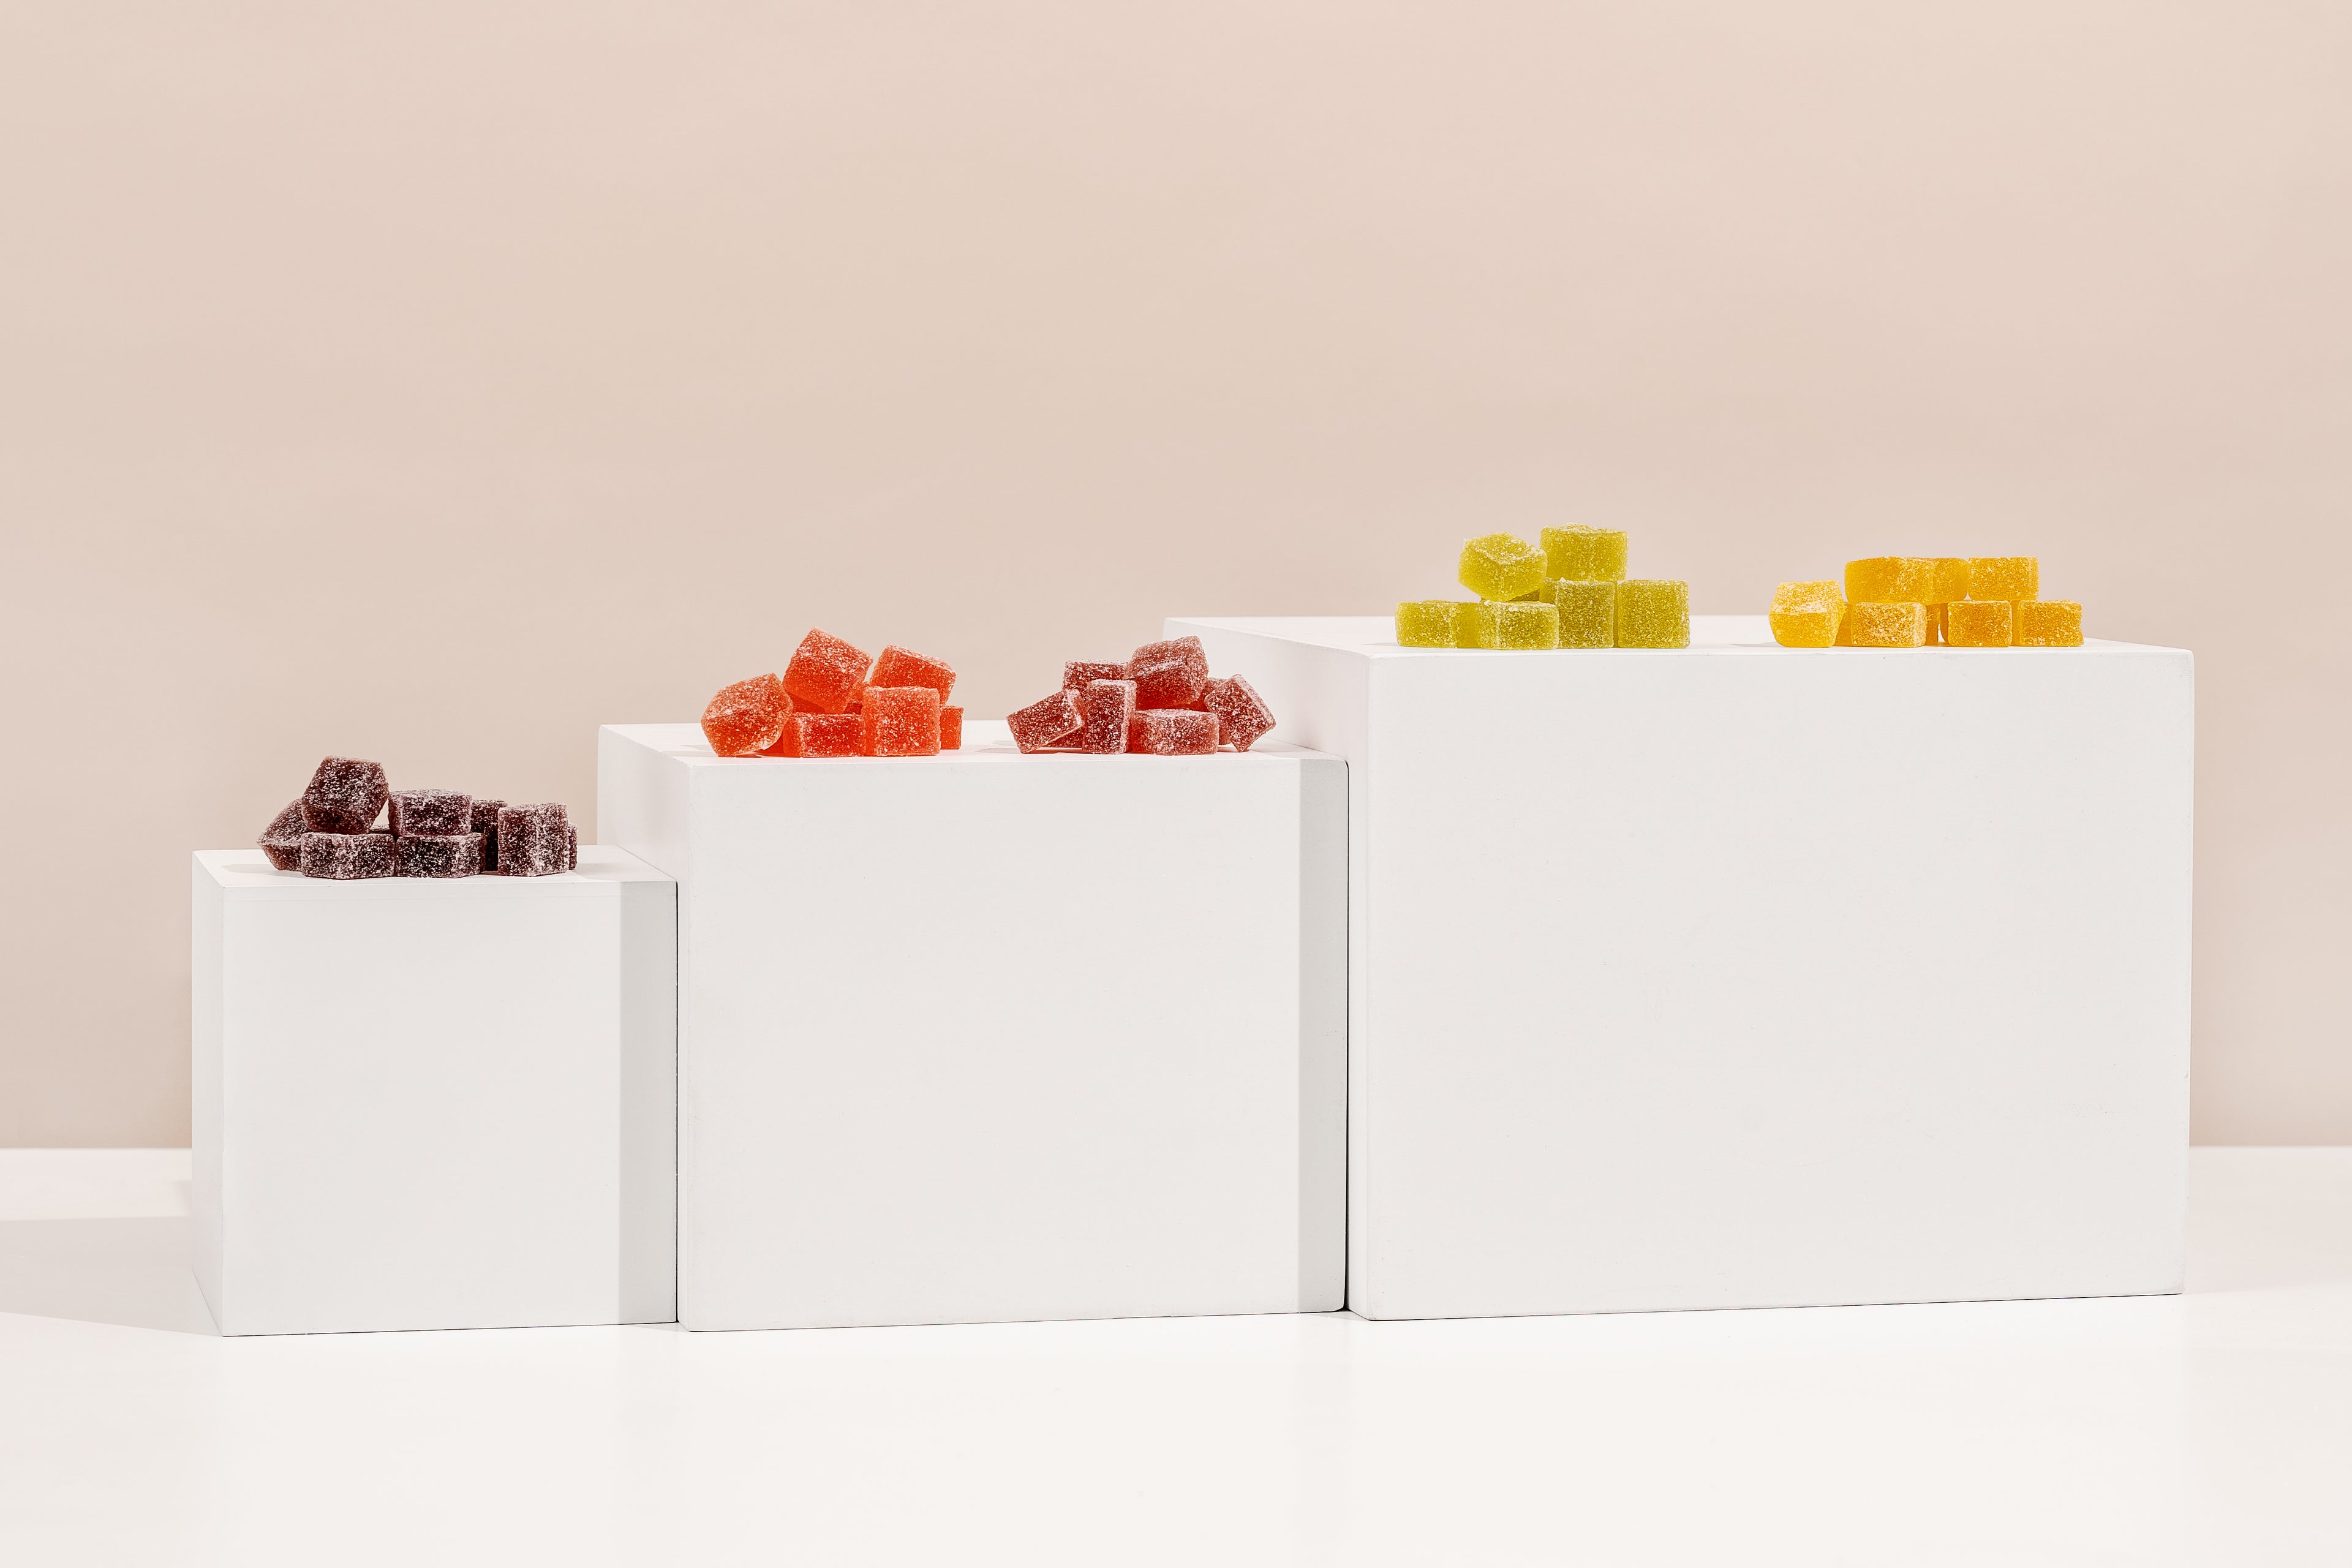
column 1162, row 702
column 836, row 701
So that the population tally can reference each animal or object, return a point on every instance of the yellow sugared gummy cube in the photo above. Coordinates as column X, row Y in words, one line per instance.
column 1976, row 623
column 1478, row 625
column 1526, row 625
column 1498, row 566
column 1806, row 615
column 1653, row 612
column 1891, row 579
column 1588, row 613
column 1425, row 623
column 2047, row 623
column 2005, row 577
column 1874, row 623
column 1581, row 555
column 1948, row 579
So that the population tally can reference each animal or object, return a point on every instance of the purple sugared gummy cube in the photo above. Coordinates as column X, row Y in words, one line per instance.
column 1242, row 714
column 348, row 856
column 282, row 839
column 438, row 855
column 430, row 812
column 533, row 839
column 345, row 796
column 570, row 847
column 485, row 823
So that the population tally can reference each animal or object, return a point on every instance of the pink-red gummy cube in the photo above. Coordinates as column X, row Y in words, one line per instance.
column 1077, row 675
column 905, row 667
column 899, row 721
column 1045, row 721
column 1172, row 731
column 825, row 673
column 1242, row 714
column 820, row 735
column 950, row 728
column 1171, row 674
column 1106, row 705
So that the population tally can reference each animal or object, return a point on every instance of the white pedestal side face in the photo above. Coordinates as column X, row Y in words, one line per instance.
column 1743, row 976
column 983, row 1037
column 425, row 1104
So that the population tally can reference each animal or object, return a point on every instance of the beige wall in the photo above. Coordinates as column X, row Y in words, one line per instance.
column 432, row 383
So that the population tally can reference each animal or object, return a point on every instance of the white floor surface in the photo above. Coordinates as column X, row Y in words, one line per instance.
column 2211, row 1428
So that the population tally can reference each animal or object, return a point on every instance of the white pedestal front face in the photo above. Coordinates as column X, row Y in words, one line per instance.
column 1743, row 976
column 429, row 1104
column 985, row 1037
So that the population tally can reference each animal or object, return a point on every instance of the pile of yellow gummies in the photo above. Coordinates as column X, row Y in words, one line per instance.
column 1924, row 601
column 1572, row 593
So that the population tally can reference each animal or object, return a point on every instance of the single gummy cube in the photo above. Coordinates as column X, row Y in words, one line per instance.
column 1876, row 623
column 1169, row 674
column 1500, row 567
column 1588, row 612
column 820, row 735
column 899, row 721
column 533, row 839
column 1524, row 626
column 1979, row 623
column 282, row 839
column 431, row 812
column 1105, row 706
column 1581, row 555
column 1242, row 714
column 1078, row 674
column 905, row 667
column 1478, row 624
column 745, row 718
column 1653, row 612
column 571, row 845
column 345, row 796
column 437, row 855
column 1045, row 721
column 2047, row 623
column 348, row 856
column 825, row 673
column 2004, row 576
column 485, row 823
column 1172, row 731
column 950, row 728
column 1806, row 615
column 1425, row 623
column 1891, row 579
column 1948, row 579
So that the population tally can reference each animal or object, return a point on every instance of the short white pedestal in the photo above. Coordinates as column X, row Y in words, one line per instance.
column 985, row 1037
column 1744, row 976
column 428, row 1104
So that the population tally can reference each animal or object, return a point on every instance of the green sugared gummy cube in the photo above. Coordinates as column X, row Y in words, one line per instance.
column 1425, row 623
column 1653, row 612
column 1588, row 614
column 1526, row 625
column 1581, row 555
column 1478, row 625
column 1500, row 566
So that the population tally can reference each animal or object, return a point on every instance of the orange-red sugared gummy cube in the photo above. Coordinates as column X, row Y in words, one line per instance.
column 905, row 667
column 825, row 673
column 1046, row 722
column 1171, row 674
column 819, row 735
column 899, row 721
column 747, row 718
column 950, row 728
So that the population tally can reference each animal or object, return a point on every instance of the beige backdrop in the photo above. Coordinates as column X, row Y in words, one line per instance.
column 432, row 383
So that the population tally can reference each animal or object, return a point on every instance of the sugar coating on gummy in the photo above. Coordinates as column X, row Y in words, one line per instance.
column 825, row 673
column 282, row 839
column 1478, row 625
column 1079, row 673
column 432, row 811
column 905, row 667
column 950, row 728
column 1581, row 555
column 1807, row 615
column 1172, row 731
column 1873, row 623
column 1521, row 625
column 485, row 823
column 899, row 721
column 437, row 855
column 2047, row 623
column 1588, row 612
column 1169, row 674
column 1653, row 612
column 348, row 856
column 745, row 718
column 345, row 796
column 1045, row 721
column 1104, row 707
column 2004, row 576
column 1424, row 623
column 1979, row 623
column 1891, row 579
column 1500, row 567
column 1242, row 714
column 571, row 846
column 820, row 735
column 533, row 839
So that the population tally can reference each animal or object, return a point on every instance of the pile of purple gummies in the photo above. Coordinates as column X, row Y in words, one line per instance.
column 330, row 831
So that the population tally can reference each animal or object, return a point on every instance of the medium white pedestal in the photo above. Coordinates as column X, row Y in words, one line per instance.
column 983, row 1037
column 1744, row 976
column 430, row 1104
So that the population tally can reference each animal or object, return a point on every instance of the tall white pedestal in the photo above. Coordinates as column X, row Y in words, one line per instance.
column 1743, row 976
column 434, row 1104
column 985, row 1037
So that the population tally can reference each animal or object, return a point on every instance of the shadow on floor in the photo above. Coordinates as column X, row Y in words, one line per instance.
column 133, row 1273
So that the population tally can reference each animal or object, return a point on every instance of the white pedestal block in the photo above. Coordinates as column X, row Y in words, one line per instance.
column 1742, row 976
column 430, row 1104
column 985, row 1037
